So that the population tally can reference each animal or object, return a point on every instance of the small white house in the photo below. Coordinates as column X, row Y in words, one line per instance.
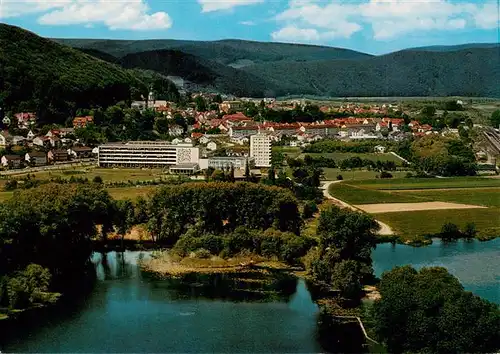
column 188, row 140
column 175, row 130
column 204, row 140
column 30, row 135
column 379, row 149
column 212, row 146
column 176, row 141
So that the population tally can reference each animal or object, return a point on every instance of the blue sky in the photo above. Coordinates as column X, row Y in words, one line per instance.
column 373, row 26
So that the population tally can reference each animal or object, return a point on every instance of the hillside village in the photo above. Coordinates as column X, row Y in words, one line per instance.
column 208, row 129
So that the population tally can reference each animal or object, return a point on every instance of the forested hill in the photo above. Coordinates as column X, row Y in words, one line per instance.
column 470, row 72
column 37, row 74
column 228, row 52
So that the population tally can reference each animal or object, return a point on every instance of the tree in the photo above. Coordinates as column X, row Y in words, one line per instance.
column 495, row 119
column 450, row 231
column 247, row 171
column 429, row 111
column 347, row 278
column 429, row 311
column 161, row 125
column 201, row 104
column 97, row 179
column 124, row 217
column 470, row 230
column 271, row 175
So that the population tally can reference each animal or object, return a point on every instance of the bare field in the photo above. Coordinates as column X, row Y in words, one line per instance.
column 400, row 207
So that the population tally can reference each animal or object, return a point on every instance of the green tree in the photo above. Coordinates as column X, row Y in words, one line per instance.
column 201, row 104
column 347, row 278
column 495, row 119
column 428, row 311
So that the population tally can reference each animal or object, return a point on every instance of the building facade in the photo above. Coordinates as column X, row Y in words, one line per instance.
column 222, row 163
column 260, row 150
column 146, row 154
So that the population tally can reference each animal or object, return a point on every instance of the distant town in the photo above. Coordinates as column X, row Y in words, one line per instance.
column 212, row 133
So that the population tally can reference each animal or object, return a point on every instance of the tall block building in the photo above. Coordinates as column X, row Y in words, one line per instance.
column 260, row 150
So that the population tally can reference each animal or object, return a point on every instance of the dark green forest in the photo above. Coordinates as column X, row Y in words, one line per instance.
column 53, row 80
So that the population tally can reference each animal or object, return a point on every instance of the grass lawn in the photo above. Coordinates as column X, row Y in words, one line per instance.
column 355, row 195
column 487, row 197
column 428, row 183
column 131, row 192
column 339, row 156
column 107, row 174
column 332, row 173
column 5, row 195
column 288, row 150
column 413, row 225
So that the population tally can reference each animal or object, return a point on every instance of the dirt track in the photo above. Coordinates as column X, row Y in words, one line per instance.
column 399, row 207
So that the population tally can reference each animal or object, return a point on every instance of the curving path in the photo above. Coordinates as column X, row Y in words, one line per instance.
column 385, row 230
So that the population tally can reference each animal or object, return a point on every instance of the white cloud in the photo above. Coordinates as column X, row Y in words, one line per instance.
column 247, row 23
column 387, row 19
column 217, row 5
column 115, row 14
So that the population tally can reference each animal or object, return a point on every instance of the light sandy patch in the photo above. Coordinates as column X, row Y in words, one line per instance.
column 472, row 189
column 398, row 207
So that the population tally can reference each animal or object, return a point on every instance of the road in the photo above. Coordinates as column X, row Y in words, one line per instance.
column 385, row 230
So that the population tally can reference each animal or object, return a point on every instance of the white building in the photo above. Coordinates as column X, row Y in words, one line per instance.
column 147, row 154
column 223, row 162
column 260, row 149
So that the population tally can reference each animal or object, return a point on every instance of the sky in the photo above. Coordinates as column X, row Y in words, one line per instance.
column 371, row 26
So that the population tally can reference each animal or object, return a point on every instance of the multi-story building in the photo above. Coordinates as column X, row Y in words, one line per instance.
column 260, row 150
column 224, row 162
column 147, row 154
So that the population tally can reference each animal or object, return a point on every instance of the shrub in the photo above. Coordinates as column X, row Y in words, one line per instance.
column 385, row 174
column 309, row 209
column 340, row 178
column 450, row 231
column 470, row 230
column 203, row 253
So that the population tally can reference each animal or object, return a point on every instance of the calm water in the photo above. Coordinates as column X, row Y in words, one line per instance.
column 129, row 312
column 476, row 264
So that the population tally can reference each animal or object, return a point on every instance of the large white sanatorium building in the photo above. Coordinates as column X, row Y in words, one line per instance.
column 260, row 150
column 147, row 154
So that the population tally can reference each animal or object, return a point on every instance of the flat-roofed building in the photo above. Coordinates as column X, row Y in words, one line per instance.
column 260, row 149
column 237, row 162
column 146, row 154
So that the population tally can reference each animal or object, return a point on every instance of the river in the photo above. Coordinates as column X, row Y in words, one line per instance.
column 128, row 311
column 476, row 264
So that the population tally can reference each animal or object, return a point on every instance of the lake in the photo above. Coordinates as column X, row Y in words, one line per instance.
column 128, row 311
column 476, row 264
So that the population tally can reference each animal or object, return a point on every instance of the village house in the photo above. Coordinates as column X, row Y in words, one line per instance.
column 379, row 149
column 5, row 138
column 240, row 140
column 25, row 120
column 54, row 156
column 175, row 130
column 30, row 135
column 35, row 158
column 204, row 140
column 176, row 141
column 6, row 120
column 11, row 161
column 82, row 122
column 212, row 146
column 243, row 131
column 80, row 152
column 188, row 140
column 18, row 140
column 228, row 106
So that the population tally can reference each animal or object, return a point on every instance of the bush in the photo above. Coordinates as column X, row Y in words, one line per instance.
column 339, row 178
column 450, row 231
column 203, row 253
column 10, row 185
column 385, row 174
column 470, row 230
column 97, row 179
column 309, row 209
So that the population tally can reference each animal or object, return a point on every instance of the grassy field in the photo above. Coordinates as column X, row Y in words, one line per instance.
column 130, row 192
column 288, row 150
column 355, row 195
column 332, row 173
column 413, row 225
column 339, row 156
column 489, row 197
column 428, row 183
column 107, row 174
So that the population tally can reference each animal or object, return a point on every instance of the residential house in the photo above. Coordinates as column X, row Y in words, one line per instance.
column 212, row 146
column 379, row 149
column 6, row 120
column 66, row 131
column 41, row 141
column 5, row 138
column 204, row 140
column 82, row 122
column 240, row 140
column 176, row 141
column 175, row 130
column 228, row 106
column 30, row 135
column 55, row 155
column 11, row 161
column 80, row 152
column 188, row 140
column 36, row 158
column 18, row 140
column 25, row 120
column 243, row 131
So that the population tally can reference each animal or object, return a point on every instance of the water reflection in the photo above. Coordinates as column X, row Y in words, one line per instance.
column 476, row 264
